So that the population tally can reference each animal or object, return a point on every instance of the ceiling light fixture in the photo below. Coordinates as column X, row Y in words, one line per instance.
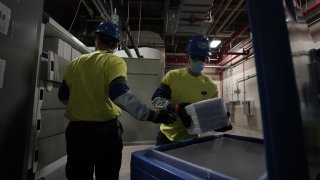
column 214, row 43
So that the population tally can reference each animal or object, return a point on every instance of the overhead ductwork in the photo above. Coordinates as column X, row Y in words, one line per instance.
column 192, row 17
column 146, row 39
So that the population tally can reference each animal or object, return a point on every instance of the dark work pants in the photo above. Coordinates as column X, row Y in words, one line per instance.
column 94, row 147
column 162, row 139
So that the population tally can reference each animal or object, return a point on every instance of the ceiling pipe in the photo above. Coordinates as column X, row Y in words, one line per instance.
column 230, row 15
column 126, row 49
column 180, row 59
column 175, row 54
column 244, row 52
column 235, row 57
column 225, row 35
column 312, row 8
column 219, row 17
column 166, row 17
column 240, row 31
column 97, row 6
column 105, row 13
column 237, row 53
column 184, row 64
column 229, row 60
column 242, row 60
column 131, row 39
column 216, row 66
column 90, row 11
column 117, row 5
column 215, row 12
column 193, row 19
column 231, row 39
column 245, row 45
column 234, row 18
column 309, row 10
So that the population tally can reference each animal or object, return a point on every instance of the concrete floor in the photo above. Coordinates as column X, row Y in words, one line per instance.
column 126, row 158
column 59, row 174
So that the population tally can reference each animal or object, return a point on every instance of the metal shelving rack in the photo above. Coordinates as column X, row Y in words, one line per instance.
column 53, row 29
column 48, row 121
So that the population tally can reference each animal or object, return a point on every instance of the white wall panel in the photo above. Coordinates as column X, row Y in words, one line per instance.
column 143, row 79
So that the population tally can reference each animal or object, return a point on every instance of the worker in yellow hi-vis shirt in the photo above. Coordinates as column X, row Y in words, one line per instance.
column 94, row 90
column 180, row 87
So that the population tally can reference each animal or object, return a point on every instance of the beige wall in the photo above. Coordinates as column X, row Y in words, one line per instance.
column 248, row 91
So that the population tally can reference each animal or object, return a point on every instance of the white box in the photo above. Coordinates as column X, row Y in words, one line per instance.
column 58, row 46
column 54, row 44
column 207, row 115
column 5, row 14
column 75, row 54
column 67, row 51
column 248, row 107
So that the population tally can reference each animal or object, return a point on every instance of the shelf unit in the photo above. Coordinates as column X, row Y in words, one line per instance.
column 55, row 30
column 48, row 142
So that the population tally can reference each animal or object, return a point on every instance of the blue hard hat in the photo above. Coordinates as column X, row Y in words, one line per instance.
column 110, row 29
column 198, row 45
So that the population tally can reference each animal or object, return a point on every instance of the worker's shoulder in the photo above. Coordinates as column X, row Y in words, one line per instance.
column 113, row 56
column 81, row 57
column 176, row 72
column 114, row 59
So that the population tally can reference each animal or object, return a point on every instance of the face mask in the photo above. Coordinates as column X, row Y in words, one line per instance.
column 196, row 66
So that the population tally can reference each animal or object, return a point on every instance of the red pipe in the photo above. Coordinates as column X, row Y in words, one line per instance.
column 234, row 57
column 242, row 29
column 231, row 59
column 312, row 8
column 231, row 39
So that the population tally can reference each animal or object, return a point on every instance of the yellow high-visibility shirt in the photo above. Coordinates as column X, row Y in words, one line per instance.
column 186, row 88
column 88, row 78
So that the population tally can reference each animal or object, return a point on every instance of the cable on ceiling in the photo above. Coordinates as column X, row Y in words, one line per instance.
column 127, row 38
column 139, row 22
column 75, row 15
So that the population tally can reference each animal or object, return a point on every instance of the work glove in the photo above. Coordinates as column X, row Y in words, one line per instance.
column 182, row 113
column 164, row 117
column 227, row 127
column 178, row 109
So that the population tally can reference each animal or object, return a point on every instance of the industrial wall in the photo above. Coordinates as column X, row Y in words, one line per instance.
column 148, row 53
column 144, row 77
column 238, row 85
column 239, row 91
column 19, row 52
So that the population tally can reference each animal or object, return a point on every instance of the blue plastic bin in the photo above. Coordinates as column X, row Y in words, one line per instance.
column 213, row 157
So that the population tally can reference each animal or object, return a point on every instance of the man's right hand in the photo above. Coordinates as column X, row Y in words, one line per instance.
column 164, row 117
column 180, row 110
column 184, row 116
